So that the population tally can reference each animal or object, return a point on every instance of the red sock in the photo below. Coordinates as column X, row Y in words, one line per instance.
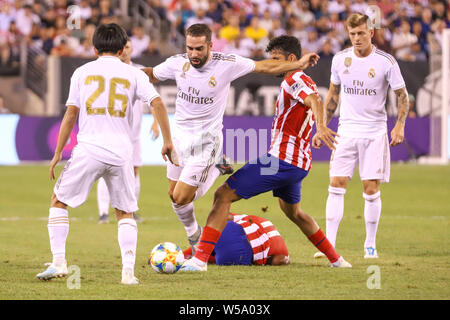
column 320, row 241
column 207, row 243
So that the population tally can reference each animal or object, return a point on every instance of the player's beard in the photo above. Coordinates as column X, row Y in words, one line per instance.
column 202, row 61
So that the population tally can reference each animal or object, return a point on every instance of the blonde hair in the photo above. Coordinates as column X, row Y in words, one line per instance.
column 356, row 19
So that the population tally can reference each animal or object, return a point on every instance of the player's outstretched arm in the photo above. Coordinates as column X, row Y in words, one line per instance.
column 149, row 72
column 160, row 113
column 273, row 66
column 67, row 124
column 323, row 133
column 398, row 132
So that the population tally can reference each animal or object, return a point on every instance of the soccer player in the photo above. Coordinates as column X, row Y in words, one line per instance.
column 203, row 80
column 102, row 93
column 103, row 197
column 360, row 77
column 246, row 240
column 284, row 167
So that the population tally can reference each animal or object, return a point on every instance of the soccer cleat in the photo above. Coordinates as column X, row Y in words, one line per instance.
column 225, row 166
column 194, row 239
column 104, row 218
column 190, row 265
column 128, row 277
column 319, row 255
column 370, row 253
column 341, row 263
column 137, row 218
column 53, row 271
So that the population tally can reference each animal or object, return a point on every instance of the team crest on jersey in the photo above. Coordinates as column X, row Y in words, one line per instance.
column 212, row 82
column 186, row 67
column 347, row 63
column 372, row 73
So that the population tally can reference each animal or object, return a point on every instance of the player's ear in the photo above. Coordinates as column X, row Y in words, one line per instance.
column 96, row 51
column 120, row 52
column 292, row 57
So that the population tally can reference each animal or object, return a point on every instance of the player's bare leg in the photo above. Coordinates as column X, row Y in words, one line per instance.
column 127, row 236
column 58, row 229
column 372, row 212
column 216, row 222
column 312, row 231
column 137, row 190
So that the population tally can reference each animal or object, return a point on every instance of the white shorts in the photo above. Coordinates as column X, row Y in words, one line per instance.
column 372, row 154
column 80, row 173
column 195, row 159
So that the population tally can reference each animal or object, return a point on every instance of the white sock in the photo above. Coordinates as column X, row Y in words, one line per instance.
column 203, row 188
column 127, row 236
column 372, row 212
column 187, row 217
column 58, row 229
column 334, row 212
column 102, row 197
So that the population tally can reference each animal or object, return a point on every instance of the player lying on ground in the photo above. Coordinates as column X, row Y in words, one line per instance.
column 246, row 240
column 283, row 168
column 101, row 95
column 203, row 81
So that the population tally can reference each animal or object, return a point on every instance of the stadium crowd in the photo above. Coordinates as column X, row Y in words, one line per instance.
column 411, row 28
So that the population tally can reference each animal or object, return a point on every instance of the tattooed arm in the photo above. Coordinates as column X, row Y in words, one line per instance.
column 332, row 101
column 398, row 133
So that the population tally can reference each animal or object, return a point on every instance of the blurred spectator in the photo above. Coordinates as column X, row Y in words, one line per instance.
column 439, row 11
column 266, row 20
column 25, row 19
column 421, row 37
column 315, row 6
column 241, row 45
column 336, row 6
column 402, row 42
column 231, row 30
column 273, row 6
column 300, row 10
column 277, row 30
column 412, row 113
column 182, row 15
column 159, row 8
column 199, row 17
column 359, row 6
column 426, row 20
column 381, row 39
column 85, row 10
column 298, row 30
column 62, row 49
column 435, row 37
column 254, row 31
column 214, row 12
column 326, row 53
column 85, row 49
column 417, row 54
column 312, row 42
column 140, row 41
column 105, row 9
column 218, row 44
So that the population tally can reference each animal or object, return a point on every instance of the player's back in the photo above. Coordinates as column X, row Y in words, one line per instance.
column 105, row 91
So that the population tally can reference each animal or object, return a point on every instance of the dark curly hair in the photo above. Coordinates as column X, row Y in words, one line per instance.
column 286, row 44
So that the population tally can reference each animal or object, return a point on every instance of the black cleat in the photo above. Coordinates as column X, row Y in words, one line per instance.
column 225, row 166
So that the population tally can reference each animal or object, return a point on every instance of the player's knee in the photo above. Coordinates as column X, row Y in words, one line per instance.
column 371, row 189
column 170, row 192
column 181, row 199
column 55, row 203
column 223, row 193
column 338, row 182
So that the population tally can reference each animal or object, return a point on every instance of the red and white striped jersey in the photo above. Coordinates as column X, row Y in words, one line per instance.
column 265, row 240
column 293, row 122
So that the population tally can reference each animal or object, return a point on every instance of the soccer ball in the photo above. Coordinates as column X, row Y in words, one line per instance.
column 166, row 257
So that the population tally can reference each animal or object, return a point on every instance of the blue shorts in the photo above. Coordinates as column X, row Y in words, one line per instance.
column 268, row 173
column 233, row 247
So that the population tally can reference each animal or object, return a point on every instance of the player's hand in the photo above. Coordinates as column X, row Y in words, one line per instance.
column 316, row 142
column 168, row 153
column 397, row 134
column 56, row 158
column 325, row 135
column 154, row 130
column 308, row 60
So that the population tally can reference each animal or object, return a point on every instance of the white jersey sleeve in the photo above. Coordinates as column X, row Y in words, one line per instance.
column 241, row 67
column 145, row 91
column 335, row 79
column 74, row 91
column 166, row 70
column 394, row 77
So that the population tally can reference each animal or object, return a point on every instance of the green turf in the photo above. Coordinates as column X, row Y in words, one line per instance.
column 413, row 243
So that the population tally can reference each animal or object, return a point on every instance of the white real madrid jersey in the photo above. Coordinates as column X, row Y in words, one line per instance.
column 202, row 93
column 105, row 90
column 364, row 85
